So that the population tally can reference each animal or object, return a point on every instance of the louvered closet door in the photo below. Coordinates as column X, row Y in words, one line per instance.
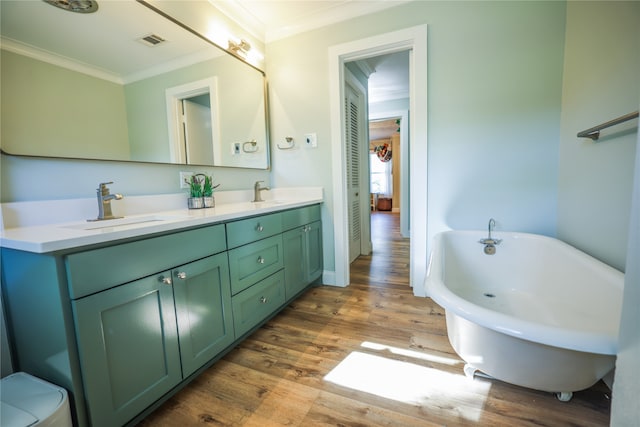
column 353, row 117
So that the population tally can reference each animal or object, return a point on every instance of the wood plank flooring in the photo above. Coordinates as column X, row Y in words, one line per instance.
column 370, row 354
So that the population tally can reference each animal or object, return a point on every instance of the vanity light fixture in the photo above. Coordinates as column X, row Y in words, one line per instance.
column 240, row 48
column 79, row 6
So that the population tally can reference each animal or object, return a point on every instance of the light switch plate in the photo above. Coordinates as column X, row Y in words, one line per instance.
column 184, row 177
column 311, row 140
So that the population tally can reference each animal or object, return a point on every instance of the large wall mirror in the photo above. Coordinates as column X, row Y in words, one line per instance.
column 125, row 83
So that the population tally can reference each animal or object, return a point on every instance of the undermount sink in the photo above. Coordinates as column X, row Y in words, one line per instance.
column 270, row 202
column 122, row 222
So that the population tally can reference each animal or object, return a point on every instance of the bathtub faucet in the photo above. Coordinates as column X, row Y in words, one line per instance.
column 490, row 243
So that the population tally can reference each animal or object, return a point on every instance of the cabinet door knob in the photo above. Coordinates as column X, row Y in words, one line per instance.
column 259, row 227
column 263, row 300
column 181, row 275
column 260, row 260
column 165, row 280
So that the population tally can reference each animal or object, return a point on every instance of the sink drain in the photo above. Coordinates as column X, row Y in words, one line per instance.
column 489, row 295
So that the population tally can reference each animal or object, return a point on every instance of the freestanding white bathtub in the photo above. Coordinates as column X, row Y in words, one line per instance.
column 538, row 313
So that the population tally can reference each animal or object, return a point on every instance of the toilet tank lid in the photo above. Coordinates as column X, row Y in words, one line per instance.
column 32, row 395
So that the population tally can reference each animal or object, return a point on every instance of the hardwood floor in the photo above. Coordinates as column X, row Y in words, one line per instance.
column 370, row 354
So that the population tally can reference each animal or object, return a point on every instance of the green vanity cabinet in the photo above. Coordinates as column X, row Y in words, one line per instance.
column 302, row 245
column 139, row 340
column 123, row 324
column 257, row 279
column 203, row 307
column 128, row 348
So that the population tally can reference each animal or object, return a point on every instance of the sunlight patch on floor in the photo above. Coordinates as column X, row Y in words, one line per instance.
column 410, row 383
column 411, row 353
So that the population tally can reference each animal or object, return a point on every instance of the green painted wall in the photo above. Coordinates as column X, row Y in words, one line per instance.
column 601, row 82
column 494, row 101
column 66, row 110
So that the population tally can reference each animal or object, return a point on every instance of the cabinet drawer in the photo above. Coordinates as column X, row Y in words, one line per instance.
column 251, row 263
column 297, row 217
column 249, row 230
column 95, row 270
column 253, row 305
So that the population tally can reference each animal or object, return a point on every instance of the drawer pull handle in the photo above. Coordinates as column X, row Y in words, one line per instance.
column 181, row 275
column 165, row 280
column 259, row 227
column 263, row 300
column 260, row 260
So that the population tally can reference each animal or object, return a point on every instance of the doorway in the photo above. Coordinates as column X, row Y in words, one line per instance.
column 194, row 136
column 414, row 39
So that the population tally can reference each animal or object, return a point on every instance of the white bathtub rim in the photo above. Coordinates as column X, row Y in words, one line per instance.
column 592, row 342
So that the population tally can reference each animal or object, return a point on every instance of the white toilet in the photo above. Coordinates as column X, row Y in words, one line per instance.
column 30, row 401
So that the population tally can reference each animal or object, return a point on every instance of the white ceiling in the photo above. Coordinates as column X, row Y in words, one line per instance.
column 271, row 20
column 390, row 79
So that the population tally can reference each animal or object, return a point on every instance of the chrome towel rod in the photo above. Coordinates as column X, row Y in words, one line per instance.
column 594, row 132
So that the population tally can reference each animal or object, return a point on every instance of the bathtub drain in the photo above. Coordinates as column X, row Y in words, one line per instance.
column 489, row 295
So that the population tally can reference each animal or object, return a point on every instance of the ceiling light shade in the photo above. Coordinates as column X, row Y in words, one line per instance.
column 79, row 6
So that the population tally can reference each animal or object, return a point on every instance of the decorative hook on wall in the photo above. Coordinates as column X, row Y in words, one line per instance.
column 290, row 144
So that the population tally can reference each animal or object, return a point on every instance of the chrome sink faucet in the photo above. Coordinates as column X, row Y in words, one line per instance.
column 256, row 191
column 104, row 202
column 490, row 243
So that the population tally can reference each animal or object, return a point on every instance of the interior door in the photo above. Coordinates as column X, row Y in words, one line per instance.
column 353, row 126
column 198, row 135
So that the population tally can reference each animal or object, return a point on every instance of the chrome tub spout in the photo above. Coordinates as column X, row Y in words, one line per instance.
column 490, row 243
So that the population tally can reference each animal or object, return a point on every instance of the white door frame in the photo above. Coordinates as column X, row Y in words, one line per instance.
column 414, row 38
column 174, row 97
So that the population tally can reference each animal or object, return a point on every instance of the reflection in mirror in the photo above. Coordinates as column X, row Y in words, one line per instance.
column 88, row 86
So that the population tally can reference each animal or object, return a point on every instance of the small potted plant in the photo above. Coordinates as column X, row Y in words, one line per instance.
column 207, row 191
column 195, row 200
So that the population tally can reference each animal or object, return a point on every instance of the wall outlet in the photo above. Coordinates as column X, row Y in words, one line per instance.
column 311, row 140
column 184, row 177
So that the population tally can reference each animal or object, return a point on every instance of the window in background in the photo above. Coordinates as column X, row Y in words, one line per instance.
column 381, row 178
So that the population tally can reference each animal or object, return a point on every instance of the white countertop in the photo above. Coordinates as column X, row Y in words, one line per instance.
column 25, row 225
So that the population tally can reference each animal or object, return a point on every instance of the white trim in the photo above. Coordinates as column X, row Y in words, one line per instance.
column 38, row 54
column 174, row 96
column 414, row 38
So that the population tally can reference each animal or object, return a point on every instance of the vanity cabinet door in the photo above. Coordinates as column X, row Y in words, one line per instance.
column 295, row 273
column 314, row 251
column 128, row 348
column 302, row 256
column 203, row 307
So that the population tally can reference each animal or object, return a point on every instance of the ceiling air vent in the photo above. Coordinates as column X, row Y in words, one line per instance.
column 151, row 40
